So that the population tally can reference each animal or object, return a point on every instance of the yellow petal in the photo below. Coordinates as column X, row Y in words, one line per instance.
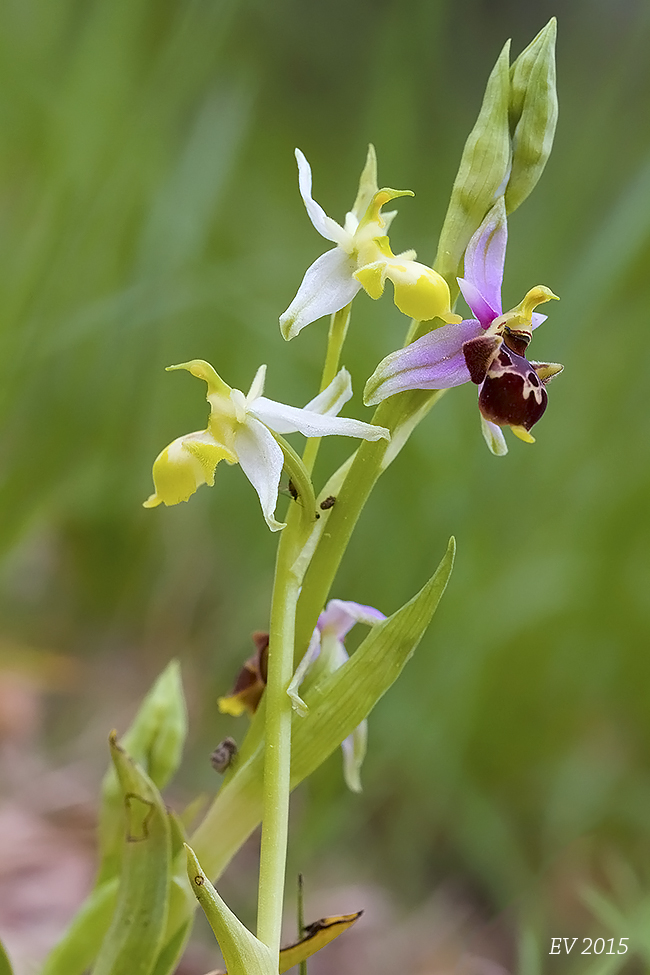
column 371, row 278
column 420, row 292
column 523, row 434
column 183, row 466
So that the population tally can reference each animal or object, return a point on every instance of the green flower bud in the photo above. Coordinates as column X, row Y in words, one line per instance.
column 482, row 174
column 155, row 740
column 157, row 735
column 533, row 114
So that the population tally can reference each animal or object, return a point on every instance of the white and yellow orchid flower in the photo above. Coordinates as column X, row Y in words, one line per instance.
column 240, row 431
column 362, row 258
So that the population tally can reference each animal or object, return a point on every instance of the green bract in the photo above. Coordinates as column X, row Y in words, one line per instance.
column 243, row 953
column 482, row 173
column 135, row 936
column 533, row 114
column 507, row 149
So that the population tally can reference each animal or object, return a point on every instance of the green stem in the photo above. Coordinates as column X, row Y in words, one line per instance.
column 277, row 752
column 336, row 337
column 277, row 728
column 368, row 464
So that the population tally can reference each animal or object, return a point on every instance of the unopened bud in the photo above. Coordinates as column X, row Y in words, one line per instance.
column 482, row 174
column 533, row 114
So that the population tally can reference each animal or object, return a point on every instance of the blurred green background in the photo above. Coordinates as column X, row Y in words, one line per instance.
column 149, row 214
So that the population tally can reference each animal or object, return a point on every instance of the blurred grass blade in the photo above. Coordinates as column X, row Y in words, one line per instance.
column 134, row 938
column 318, row 934
column 243, row 953
column 5, row 964
column 336, row 706
column 77, row 949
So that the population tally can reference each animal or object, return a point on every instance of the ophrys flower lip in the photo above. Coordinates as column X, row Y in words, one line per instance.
column 488, row 350
column 362, row 258
column 241, row 430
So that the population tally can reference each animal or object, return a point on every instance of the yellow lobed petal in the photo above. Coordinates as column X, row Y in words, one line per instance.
column 420, row 292
column 371, row 278
column 183, row 466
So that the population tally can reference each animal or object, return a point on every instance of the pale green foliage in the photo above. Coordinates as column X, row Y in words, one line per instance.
column 135, row 936
column 242, row 952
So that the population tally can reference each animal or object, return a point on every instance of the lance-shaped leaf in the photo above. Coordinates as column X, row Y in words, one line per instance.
column 533, row 114
column 5, row 964
column 243, row 953
column 135, row 936
column 155, row 739
column 482, row 174
column 336, row 706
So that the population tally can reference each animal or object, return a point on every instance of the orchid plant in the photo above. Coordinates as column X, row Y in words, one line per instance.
column 302, row 692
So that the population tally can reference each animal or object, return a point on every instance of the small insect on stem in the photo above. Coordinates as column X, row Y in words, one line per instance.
column 293, row 490
column 329, row 502
column 224, row 755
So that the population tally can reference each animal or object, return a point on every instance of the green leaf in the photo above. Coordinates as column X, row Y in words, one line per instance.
column 317, row 936
column 135, row 937
column 77, row 949
column 5, row 964
column 336, row 706
column 155, row 740
column 243, row 953
column 169, row 957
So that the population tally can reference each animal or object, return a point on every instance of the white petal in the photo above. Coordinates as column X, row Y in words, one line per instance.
column 537, row 318
column 333, row 398
column 238, row 401
column 354, row 751
column 328, row 286
column 326, row 227
column 494, row 437
column 340, row 615
column 257, row 386
column 291, row 419
column 313, row 650
column 261, row 460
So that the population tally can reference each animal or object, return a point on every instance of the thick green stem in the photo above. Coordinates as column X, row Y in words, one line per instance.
column 277, row 733
column 277, row 753
column 369, row 462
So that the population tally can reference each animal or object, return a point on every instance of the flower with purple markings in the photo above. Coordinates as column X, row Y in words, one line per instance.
column 488, row 350
column 326, row 653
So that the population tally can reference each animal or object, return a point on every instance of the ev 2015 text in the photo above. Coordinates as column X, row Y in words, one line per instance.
column 557, row 944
